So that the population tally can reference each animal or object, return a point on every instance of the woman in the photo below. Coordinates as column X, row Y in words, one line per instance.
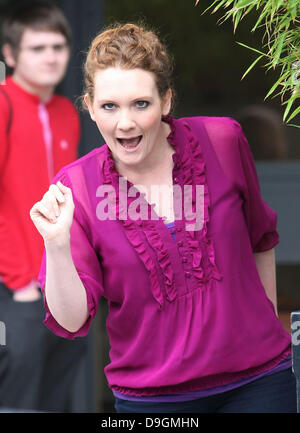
column 167, row 223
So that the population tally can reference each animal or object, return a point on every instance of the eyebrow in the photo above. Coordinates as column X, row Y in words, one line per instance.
column 57, row 44
column 139, row 98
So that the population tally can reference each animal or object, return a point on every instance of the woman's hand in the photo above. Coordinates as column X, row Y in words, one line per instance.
column 53, row 215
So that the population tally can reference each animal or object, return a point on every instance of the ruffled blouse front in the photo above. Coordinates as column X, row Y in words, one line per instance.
column 189, row 169
column 184, row 315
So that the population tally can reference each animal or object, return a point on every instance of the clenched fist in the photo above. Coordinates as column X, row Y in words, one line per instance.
column 53, row 215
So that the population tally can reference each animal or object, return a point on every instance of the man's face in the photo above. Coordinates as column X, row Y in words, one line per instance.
column 42, row 59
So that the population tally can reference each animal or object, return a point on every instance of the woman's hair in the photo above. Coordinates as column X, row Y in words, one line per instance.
column 128, row 46
column 36, row 15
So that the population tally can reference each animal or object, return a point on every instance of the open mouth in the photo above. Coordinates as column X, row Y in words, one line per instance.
column 131, row 142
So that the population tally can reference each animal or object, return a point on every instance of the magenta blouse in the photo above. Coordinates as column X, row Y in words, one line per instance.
column 189, row 314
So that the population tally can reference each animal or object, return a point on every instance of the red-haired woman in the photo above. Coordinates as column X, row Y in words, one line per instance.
column 192, row 321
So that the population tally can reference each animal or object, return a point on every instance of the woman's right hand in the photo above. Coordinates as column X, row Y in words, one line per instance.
column 53, row 215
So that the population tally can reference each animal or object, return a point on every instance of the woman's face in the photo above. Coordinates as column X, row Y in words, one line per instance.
column 127, row 109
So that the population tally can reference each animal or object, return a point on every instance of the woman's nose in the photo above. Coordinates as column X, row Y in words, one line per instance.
column 125, row 121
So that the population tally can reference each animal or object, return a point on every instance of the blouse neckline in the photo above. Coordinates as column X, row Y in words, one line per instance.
column 189, row 169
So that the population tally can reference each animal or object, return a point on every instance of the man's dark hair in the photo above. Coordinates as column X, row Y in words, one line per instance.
column 36, row 15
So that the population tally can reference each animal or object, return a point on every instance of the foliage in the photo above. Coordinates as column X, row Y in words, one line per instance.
column 280, row 19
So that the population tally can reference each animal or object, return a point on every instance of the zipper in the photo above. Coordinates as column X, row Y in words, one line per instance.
column 48, row 139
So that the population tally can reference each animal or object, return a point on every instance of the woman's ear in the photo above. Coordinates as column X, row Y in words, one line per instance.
column 167, row 102
column 8, row 55
column 88, row 103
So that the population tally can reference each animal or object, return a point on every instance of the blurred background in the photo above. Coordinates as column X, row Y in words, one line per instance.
column 209, row 65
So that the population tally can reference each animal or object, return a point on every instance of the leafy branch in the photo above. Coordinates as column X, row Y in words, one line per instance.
column 280, row 19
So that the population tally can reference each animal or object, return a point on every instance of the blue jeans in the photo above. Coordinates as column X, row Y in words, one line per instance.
column 275, row 393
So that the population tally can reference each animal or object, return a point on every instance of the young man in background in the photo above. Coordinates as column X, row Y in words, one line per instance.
column 39, row 133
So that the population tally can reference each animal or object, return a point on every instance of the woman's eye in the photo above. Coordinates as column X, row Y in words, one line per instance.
column 142, row 104
column 108, row 106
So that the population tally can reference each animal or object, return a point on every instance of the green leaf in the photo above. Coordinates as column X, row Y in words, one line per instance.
column 221, row 3
column 288, row 108
column 251, row 66
column 236, row 19
column 293, row 8
column 293, row 97
column 285, row 21
column 250, row 8
column 250, row 48
column 262, row 15
column 209, row 7
column 279, row 48
column 294, row 113
column 280, row 3
column 281, row 78
column 243, row 3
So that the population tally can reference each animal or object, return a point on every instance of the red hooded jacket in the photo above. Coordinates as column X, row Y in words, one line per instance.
column 41, row 139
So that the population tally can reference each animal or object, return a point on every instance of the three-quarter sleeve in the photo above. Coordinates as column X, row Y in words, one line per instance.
column 261, row 220
column 88, row 268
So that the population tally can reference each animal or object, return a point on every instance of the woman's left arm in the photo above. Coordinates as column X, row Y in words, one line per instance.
column 266, row 267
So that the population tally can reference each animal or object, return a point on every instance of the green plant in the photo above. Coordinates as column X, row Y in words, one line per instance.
column 280, row 19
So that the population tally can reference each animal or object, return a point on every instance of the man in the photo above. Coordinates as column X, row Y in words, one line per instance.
column 39, row 133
